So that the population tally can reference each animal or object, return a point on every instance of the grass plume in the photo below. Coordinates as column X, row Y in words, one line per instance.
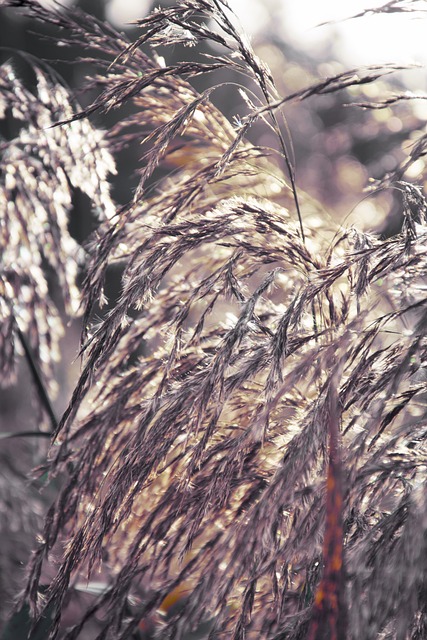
column 249, row 425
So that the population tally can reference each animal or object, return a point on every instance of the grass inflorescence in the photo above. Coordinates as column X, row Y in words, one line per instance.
column 248, row 428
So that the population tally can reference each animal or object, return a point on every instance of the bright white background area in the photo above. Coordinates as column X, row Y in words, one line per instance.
column 372, row 39
column 397, row 37
column 401, row 35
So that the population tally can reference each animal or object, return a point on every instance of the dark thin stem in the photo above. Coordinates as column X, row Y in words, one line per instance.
column 270, row 110
column 41, row 390
column 24, row 434
column 290, row 168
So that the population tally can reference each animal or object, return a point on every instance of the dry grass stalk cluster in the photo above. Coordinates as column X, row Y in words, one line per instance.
column 250, row 355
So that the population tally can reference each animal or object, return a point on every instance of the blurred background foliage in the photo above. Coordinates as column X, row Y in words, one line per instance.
column 342, row 153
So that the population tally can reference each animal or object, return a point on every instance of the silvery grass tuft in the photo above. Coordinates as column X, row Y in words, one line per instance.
column 247, row 435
